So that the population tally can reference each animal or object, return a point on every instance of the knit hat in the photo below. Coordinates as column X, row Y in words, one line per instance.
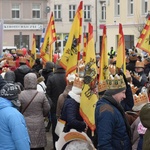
column 144, row 115
column 10, row 91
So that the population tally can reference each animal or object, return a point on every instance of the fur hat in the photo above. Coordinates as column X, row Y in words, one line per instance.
column 10, row 91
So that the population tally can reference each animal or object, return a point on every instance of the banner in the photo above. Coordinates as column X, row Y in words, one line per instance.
column 71, row 53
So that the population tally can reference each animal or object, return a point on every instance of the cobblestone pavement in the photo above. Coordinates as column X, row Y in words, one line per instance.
column 49, row 141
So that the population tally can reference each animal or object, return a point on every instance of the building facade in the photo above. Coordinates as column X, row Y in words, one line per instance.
column 21, row 19
column 64, row 12
column 131, row 14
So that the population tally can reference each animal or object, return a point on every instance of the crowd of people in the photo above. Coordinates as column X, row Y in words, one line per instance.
column 28, row 95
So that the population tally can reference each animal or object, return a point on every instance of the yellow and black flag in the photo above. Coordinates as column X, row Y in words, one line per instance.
column 71, row 54
column 33, row 52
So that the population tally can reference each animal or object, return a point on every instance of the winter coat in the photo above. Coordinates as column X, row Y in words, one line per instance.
column 55, row 86
column 131, row 66
column 111, row 128
column 46, row 74
column 13, row 130
column 20, row 72
column 70, row 113
column 36, row 111
column 48, row 70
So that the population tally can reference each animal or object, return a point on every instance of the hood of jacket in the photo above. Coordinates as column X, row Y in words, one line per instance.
column 24, row 69
column 10, row 76
column 30, row 81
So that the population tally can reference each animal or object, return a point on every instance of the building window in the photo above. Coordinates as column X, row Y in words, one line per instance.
column 15, row 11
column 103, row 15
column 36, row 11
column 130, row 7
column 21, row 41
column 72, row 11
column 129, row 41
column 87, row 13
column 144, row 7
column 57, row 12
column 117, row 7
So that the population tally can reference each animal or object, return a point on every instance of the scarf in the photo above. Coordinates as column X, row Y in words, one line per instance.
column 74, row 96
column 109, row 98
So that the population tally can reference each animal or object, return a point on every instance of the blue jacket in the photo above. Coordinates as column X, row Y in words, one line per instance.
column 110, row 127
column 13, row 130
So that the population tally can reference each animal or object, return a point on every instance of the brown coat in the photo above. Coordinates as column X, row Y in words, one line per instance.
column 34, row 114
column 61, row 100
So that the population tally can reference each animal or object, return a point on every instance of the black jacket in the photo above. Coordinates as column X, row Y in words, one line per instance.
column 55, row 86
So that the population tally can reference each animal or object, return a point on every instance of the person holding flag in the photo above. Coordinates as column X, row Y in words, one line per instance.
column 70, row 112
